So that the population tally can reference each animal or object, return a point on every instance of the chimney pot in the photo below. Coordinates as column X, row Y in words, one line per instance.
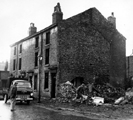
column 57, row 15
column 32, row 29
column 112, row 19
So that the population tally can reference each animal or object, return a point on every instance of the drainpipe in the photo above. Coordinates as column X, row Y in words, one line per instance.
column 40, row 58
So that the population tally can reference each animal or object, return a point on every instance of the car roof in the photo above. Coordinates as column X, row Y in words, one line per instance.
column 15, row 81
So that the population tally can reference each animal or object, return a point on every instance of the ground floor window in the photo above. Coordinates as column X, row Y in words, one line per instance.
column 46, row 80
column 35, row 81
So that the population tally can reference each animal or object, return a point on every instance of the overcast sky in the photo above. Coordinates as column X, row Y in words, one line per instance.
column 16, row 16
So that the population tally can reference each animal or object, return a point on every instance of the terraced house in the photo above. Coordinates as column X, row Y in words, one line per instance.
column 76, row 49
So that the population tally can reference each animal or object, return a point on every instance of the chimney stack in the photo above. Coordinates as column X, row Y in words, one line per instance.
column 32, row 29
column 112, row 19
column 57, row 15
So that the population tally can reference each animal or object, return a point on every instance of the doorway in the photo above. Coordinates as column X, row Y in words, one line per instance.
column 53, row 84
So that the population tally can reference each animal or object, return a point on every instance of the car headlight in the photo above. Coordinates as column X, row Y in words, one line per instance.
column 31, row 94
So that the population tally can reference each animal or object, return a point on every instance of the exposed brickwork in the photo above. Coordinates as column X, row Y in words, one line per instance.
column 83, row 50
column 89, row 45
column 129, row 66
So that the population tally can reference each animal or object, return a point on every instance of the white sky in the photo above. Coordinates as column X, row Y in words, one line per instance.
column 16, row 16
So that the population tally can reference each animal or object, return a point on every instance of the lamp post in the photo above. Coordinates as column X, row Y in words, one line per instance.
column 39, row 91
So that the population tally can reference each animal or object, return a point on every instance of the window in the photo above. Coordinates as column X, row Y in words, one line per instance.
column 35, row 82
column 14, row 50
column 20, row 63
column 47, row 56
column 14, row 64
column 36, row 59
column 37, row 42
column 46, row 80
column 47, row 37
column 20, row 48
column 4, row 83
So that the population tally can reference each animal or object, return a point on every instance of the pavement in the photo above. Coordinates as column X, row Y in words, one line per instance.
column 102, row 112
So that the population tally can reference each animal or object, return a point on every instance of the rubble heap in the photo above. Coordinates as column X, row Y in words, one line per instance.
column 66, row 92
column 94, row 94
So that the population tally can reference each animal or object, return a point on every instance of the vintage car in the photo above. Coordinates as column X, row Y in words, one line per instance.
column 24, row 91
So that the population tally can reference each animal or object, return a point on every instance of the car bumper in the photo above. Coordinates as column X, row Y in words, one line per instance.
column 21, row 99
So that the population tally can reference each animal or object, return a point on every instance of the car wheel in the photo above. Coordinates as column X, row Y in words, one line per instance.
column 5, row 98
column 28, row 102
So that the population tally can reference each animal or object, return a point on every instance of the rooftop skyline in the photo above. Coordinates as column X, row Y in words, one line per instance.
column 16, row 17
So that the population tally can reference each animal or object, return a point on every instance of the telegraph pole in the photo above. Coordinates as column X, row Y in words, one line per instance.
column 40, row 59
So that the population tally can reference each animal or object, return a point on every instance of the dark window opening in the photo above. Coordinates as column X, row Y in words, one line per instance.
column 20, row 63
column 47, row 37
column 37, row 42
column 35, row 82
column 14, row 50
column 20, row 49
column 14, row 64
column 36, row 59
column 47, row 56
column 46, row 80
column 77, row 81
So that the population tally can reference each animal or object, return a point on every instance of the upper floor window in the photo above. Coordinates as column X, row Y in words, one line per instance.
column 47, row 56
column 14, row 50
column 36, row 59
column 47, row 37
column 35, row 81
column 37, row 42
column 20, row 63
column 20, row 48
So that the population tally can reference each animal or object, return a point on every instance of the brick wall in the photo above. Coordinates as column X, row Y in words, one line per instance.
column 89, row 45
column 28, row 54
column 83, row 51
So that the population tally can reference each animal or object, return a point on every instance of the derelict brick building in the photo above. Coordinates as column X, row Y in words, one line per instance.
column 75, row 49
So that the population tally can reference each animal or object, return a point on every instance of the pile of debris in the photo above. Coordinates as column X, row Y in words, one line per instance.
column 66, row 92
column 97, row 94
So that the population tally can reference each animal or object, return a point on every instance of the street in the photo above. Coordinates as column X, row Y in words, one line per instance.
column 35, row 112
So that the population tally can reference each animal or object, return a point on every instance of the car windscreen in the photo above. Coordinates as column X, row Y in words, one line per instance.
column 23, row 84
